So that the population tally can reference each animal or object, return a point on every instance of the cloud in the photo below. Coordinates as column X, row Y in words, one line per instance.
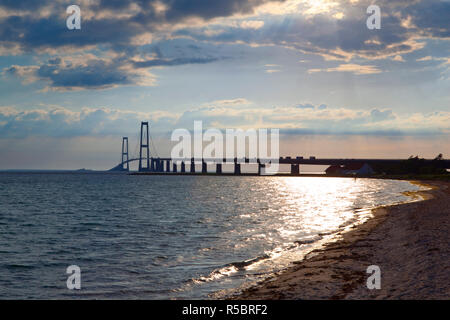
column 430, row 17
column 114, row 23
column 251, row 24
column 87, row 71
column 310, row 119
column 377, row 115
column 336, row 30
column 272, row 68
column 27, row 73
column 306, row 106
column 233, row 113
column 427, row 58
column 333, row 30
column 94, row 74
column 211, row 9
column 352, row 68
column 62, row 122
column 76, row 74
column 445, row 60
column 172, row 62
column 230, row 102
column 398, row 58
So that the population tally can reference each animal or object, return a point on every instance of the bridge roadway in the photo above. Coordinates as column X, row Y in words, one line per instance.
column 282, row 160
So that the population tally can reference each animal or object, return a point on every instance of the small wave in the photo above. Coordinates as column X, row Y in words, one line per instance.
column 18, row 266
column 160, row 260
column 229, row 269
column 243, row 264
column 308, row 240
column 215, row 275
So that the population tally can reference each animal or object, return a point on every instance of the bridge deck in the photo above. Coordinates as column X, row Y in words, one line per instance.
column 292, row 161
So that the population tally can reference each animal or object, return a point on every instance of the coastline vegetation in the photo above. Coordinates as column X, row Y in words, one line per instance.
column 414, row 168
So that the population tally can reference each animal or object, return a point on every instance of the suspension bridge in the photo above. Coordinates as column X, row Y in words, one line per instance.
column 149, row 161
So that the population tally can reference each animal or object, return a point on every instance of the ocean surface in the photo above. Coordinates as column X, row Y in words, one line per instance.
column 168, row 237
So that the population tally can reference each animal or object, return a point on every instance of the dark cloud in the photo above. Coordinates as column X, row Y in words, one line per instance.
column 51, row 32
column 13, row 70
column 66, row 75
column 94, row 74
column 115, row 25
column 31, row 31
column 56, row 60
column 24, row 4
column 208, row 9
column 431, row 16
column 172, row 62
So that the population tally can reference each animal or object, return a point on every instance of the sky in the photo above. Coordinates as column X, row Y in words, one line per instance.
column 311, row 68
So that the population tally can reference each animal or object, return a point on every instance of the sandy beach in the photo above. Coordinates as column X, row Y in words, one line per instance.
column 409, row 242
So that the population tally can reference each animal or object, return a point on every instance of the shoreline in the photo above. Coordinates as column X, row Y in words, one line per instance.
column 408, row 241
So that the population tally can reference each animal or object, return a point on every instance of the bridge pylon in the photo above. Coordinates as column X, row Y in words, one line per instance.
column 125, row 159
column 144, row 144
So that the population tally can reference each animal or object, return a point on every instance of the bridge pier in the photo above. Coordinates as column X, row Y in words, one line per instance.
column 183, row 167
column 174, row 169
column 192, row 165
column 261, row 166
column 295, row 169
column 152, row 165
column 167, row 165
column 237, row 167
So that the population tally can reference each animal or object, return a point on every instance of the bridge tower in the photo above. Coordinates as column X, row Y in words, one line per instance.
column 125, row 163
column 144, row 144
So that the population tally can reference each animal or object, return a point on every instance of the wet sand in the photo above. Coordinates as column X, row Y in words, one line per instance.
column 409, row 242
